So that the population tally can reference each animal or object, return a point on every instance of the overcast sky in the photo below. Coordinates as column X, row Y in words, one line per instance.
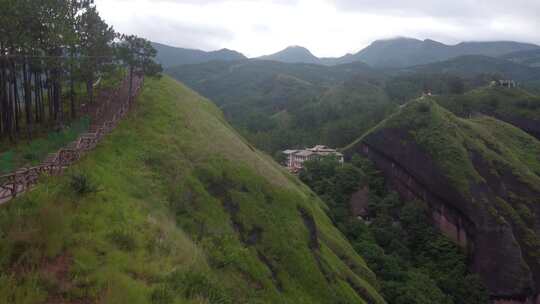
column 326, row 27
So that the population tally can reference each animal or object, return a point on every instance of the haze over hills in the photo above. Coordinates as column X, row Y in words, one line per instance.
column 169, row 56
column 402, row 52
column 470, row 65
column 388, row 53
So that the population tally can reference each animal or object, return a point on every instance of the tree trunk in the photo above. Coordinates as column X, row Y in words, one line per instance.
column 130, row 97
column 17, row 103
column 72, row 86
column 50, row 98
column 37, row 97
column 27, row 99
column 90, row 87
column 4, row 96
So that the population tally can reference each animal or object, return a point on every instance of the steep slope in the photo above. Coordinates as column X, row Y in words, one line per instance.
column 174, row 207
column 403, row 52
column 169, row 56
column 293, row 54
column 515, row 106
column 481, row 178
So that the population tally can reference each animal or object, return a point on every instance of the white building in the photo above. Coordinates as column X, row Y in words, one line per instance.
column 504, row 83
column 296, row 158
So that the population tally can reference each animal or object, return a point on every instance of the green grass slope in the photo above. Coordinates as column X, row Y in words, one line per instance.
column 516, row 106
column 498, row 100
column 174, row 207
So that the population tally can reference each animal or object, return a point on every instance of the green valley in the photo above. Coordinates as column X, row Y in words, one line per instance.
column 406, row 171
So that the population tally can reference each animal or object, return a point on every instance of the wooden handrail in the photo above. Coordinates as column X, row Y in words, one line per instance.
column 24, row 179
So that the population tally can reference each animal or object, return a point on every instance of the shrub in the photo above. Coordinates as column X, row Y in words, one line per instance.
column 196, row 285
column 123, row 240
column 424, row 108
column 82, row 185
column 162, row 295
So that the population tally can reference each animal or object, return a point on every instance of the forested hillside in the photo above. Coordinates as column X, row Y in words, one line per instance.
column 53, row 60
column 279, row 105
column 527, row 57
column 414, row 262
column 282, row 105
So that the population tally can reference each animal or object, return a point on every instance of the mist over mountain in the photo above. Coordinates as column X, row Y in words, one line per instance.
column 402, row 52
column 471, row 65
column 169, row 56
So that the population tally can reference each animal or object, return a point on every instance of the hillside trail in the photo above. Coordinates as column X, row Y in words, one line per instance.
column 105, row 114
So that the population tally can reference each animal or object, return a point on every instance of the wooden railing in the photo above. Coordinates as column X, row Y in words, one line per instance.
column 105, row 118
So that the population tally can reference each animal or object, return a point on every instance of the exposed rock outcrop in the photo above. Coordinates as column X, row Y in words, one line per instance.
column 493, row 212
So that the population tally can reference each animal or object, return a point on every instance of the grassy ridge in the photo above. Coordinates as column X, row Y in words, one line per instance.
column 492, row 166
column 503, row 102
column 174, row 207
column 449, row 140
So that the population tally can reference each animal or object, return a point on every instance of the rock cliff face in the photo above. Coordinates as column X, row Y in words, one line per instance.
column 484, row 191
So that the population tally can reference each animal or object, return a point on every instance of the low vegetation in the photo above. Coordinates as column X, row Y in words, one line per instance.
column 499, row 101
column 24, row 154
column 174, row 207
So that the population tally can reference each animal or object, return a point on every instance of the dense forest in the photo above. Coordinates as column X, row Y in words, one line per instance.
column 415, row 264
column 53, row 54
column 280, row 105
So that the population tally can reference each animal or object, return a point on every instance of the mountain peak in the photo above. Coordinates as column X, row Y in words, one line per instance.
column 170, row 56
column 296, row 47
column 403, row 52
column 293, row 54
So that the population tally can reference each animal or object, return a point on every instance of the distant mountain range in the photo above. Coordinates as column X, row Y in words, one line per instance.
column 390, row 53
column 469, row 66
column 404, row 52
column 170, row 56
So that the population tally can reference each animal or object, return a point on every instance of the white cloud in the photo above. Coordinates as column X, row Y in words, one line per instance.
column 327, row 27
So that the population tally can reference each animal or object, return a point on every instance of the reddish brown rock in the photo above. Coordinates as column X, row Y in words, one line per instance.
column 498, row 251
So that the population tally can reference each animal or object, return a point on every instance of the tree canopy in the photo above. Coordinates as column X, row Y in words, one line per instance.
column 47, row 50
